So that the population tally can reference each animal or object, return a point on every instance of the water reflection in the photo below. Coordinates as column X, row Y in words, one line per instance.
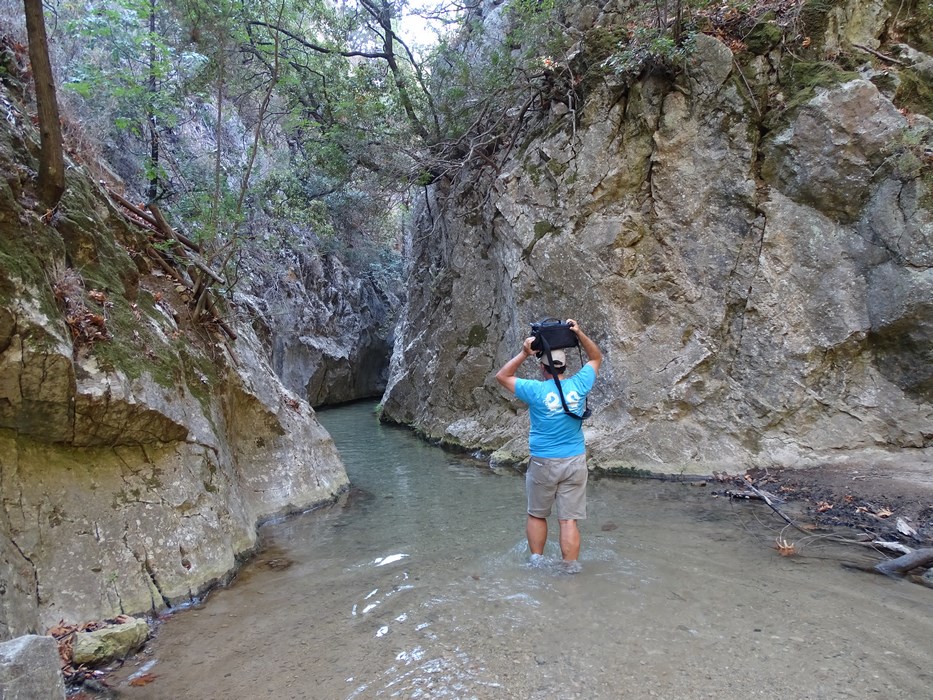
column 417, row 586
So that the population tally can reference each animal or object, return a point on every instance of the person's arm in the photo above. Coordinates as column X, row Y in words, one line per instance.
column 592, row 351
column 506, row 375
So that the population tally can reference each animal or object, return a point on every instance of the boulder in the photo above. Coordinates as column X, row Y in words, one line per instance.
column 30, row 669
column 109, row 643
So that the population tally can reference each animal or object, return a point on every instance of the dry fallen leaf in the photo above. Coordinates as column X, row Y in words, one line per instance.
column 823, row 506
column 144, row 679
column 885, row 513
column 785, row 548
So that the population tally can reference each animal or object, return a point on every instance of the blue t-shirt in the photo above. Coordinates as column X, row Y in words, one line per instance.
column 553, row 433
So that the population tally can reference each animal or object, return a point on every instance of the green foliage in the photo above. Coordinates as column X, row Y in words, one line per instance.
column 126, row 71
column 914, row 21
column 120, row 58
column 650, row 48
column 288, row 198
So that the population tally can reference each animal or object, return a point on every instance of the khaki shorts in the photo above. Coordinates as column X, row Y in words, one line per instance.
column 560, row 480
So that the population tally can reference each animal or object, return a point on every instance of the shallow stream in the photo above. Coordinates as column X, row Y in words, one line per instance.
column 416, row 586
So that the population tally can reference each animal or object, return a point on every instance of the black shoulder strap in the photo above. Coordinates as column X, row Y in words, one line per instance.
column 563, row 401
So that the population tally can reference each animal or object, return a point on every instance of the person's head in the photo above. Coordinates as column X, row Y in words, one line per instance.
column 557, row 357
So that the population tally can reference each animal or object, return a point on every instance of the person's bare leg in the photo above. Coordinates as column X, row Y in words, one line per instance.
column 569, row 540
column 536, row 529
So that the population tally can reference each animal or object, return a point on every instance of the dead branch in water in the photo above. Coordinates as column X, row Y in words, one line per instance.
column 915, row 560
column 765, row 497
column 910, row 559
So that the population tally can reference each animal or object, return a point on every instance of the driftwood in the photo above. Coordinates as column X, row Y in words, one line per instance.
column 916, row 559
column 891, row 546
column 769, row 499
column 911, row 559
column 753, row 494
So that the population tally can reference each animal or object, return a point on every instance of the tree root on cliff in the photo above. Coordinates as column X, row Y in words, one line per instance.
column 182, row 254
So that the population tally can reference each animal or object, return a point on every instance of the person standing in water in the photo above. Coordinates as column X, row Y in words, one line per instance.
column 557, row 470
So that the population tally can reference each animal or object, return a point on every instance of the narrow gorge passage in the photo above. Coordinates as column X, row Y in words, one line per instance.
column 416, row 586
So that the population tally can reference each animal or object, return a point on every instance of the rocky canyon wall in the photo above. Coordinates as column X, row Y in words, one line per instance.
column 327, row 330
column 139, row 446
column 754, row 262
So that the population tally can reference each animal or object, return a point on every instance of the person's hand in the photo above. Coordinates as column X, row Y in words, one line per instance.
column 526, row 346
column 574, row 326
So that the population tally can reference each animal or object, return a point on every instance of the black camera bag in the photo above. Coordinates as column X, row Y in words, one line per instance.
column 553, row 334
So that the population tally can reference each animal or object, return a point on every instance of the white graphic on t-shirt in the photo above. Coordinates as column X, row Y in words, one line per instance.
column 552, row 401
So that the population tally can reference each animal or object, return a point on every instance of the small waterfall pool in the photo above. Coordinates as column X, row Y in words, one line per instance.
column 415, row 585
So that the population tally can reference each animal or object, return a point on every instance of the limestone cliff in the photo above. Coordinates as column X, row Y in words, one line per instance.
column 752, row 253
column 327, row 329
column 139, row 448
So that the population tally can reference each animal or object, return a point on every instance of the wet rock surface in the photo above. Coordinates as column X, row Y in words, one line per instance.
column 327, row 329
column 111, row 642
column 140, row 445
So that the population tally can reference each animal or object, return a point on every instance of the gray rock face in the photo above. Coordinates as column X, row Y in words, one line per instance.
column 828, row 156
column 29, row 669
column 165, row 508
column 328, row 331
column 762, row 298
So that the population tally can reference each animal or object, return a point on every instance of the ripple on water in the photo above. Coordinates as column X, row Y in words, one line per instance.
column 680, row 596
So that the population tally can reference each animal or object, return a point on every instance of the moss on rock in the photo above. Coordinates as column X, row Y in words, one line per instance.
column 915, row 92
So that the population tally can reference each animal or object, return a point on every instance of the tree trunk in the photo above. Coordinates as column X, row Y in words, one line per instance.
column 151, row 116
column 51, row 157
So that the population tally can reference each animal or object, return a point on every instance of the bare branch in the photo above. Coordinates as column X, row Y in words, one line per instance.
column 316, row 47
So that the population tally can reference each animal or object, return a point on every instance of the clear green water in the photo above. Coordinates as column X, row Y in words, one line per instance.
column 416, row 586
